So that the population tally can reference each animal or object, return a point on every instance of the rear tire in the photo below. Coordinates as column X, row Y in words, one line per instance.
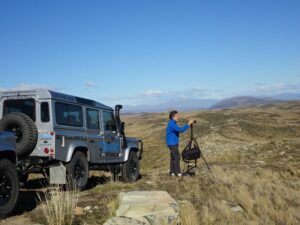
column 9, row 187
column 78, row 171
column 25, row 131
column 131, row 168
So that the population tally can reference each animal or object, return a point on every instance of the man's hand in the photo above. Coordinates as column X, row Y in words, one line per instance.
column 191, row 122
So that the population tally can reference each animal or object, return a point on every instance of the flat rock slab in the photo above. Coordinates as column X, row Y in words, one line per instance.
column 147, row 208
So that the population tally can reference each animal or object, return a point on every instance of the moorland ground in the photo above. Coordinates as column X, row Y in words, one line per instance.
column 254, row 153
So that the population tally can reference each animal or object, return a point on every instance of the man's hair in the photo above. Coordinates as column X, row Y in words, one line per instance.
column 172, row 114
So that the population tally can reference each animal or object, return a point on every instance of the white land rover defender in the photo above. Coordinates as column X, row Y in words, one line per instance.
column 66, row 136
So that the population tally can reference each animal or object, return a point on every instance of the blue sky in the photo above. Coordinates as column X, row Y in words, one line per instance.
column 140, row 52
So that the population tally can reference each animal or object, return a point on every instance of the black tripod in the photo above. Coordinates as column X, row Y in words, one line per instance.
column 191, row 154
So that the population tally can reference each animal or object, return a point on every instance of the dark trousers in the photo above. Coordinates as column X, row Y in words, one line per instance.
column 175, row 159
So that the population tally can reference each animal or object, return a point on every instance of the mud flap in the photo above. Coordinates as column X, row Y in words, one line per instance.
column 58, row 174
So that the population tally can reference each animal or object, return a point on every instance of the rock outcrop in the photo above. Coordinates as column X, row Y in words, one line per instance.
column 146, row 208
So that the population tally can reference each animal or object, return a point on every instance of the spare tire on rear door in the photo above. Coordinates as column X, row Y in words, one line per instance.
column 24, row 129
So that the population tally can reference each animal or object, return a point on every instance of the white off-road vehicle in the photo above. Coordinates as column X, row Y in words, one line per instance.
column 66, row 136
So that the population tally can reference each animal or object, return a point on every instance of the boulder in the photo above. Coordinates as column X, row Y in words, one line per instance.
column 146, row 208
column 150, row 207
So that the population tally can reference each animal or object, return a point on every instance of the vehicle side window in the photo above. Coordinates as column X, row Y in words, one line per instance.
column 61, row 112
column 26, row 106
column 67, row 114
column 75, row 116
column 45, row 117
column 92, row 119
column 109, row 121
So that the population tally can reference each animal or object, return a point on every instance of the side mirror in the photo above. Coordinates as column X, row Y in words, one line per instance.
column 118, row 107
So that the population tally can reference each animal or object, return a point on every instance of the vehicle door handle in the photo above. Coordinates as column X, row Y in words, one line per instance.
column 63, row 141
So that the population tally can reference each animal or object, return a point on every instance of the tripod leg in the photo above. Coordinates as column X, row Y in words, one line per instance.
column 208, row 168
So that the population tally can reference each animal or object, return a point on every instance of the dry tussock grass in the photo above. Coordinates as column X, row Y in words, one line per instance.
column 263, row 196
column 188, row 214
column 58, row 206
column 254, row 154
column 255, row 157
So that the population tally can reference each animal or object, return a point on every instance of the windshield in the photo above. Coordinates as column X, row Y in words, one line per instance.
column 109, row 121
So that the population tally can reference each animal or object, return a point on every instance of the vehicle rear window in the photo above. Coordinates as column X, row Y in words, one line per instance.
column 67, row 114
column 109, row 121
column 26, row 106
column 45, row 117
column 92, row 119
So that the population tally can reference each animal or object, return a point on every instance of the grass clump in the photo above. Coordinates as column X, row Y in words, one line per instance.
column 58, row 206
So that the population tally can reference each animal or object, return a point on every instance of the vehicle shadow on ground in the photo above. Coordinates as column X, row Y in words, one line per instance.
column 28, row 201
column 97, row 180
column 30, row 195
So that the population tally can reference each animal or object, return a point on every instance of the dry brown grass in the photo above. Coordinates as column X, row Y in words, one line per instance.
column 254, row 154
column 112, row 206
column 58, row 206
column 188, row 214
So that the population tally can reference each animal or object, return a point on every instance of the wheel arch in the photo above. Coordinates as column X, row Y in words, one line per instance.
column 128, row 150
column 83, row 149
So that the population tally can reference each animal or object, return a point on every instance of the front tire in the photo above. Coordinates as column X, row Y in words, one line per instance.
column 131, row 168
column 9, row 187
column 78, row 171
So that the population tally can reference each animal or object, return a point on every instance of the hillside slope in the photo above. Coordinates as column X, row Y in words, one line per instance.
column 256, row 129
column 254, row 154
column 241, row 101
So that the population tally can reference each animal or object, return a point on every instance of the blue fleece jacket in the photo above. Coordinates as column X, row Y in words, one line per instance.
column 173, row 131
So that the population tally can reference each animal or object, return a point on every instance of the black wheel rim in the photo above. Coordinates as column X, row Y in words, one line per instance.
column 5, row 189
column 79, row 171
column 133, row 169
column 16, row 129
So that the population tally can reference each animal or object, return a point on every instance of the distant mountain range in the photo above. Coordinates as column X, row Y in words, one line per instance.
column 197, row 104
column 178, row 104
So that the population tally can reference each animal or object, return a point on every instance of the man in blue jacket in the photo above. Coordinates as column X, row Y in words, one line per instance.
column 172, row 139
